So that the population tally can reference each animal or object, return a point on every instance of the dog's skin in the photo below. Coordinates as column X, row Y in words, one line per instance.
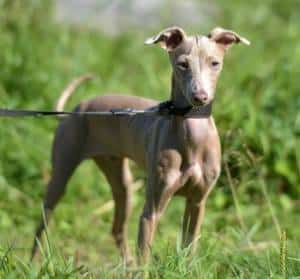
column 180, row 155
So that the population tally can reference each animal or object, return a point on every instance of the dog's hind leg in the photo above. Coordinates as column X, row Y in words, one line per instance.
column 119, row 177
column 66, row 157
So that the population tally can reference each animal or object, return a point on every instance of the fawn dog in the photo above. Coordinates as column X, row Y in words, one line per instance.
column 181, row 155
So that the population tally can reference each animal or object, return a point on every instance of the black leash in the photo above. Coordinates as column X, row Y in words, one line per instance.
column 163, row 109
column 39, row 113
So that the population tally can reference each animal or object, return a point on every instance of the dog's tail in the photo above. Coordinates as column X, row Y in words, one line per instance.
column 69, row 90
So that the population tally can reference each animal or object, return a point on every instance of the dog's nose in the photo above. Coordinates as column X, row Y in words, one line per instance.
column 200, row 97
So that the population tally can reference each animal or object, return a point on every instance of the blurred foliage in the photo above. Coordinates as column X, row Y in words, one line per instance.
column 256, row 110
column 263, row 90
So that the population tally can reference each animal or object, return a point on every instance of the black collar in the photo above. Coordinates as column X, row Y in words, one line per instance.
column 168, row 108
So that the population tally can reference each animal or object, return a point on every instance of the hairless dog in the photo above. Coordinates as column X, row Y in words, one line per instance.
column 181, row 155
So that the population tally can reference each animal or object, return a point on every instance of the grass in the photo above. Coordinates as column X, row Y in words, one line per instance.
column 223, row 254
column 257, row 112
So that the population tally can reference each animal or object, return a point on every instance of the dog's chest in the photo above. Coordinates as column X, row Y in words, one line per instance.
column 198, row 176
column 193, row 133
column 200, row 160
column 195, row 173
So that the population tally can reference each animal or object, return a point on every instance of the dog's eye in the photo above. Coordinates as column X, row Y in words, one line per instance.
column 215, row 63
column 182, row 65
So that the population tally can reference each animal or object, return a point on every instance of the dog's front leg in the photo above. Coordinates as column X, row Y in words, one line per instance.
column 195, row 208
column 196, row 199
column 192, row 221
column 159, row 193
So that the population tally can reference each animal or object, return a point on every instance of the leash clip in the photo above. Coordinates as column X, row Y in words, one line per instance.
column 126, row 111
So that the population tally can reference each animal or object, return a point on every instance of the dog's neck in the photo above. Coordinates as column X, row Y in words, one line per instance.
column 177, row 96
column 180, row 103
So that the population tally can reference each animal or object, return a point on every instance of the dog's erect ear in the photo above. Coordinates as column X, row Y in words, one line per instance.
column 226, row 37
column 168, row 39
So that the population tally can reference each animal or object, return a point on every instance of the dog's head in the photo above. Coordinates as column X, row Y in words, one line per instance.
column 196, row 60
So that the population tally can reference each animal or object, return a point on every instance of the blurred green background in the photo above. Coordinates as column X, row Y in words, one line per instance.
column 256, row 111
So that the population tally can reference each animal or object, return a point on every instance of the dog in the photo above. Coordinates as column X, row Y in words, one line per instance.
column 181, row 154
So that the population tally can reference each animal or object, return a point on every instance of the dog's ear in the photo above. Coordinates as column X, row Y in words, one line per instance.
column 168, row 39
column 226, row 37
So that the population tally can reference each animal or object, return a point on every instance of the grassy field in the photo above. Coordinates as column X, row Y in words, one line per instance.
column 252, row 222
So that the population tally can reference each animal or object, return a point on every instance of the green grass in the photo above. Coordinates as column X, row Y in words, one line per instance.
column 256, row 111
